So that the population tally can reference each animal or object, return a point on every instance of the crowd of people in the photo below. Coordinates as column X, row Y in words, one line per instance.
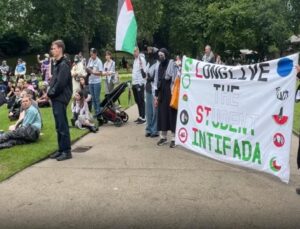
column 86, row 78
column 154, row 74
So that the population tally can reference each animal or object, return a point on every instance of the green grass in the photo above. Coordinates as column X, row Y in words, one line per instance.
column 17, row 158
column 296, row 125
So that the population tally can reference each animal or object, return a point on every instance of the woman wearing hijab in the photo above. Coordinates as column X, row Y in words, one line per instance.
column 167, row 72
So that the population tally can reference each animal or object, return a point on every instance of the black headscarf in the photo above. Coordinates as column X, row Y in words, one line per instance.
column 166, row 61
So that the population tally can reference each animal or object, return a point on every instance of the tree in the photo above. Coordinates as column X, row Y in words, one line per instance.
column 74, row 19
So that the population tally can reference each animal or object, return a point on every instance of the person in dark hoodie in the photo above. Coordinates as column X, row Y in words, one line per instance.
column 151, row 78
column 60, row 93
column 167, row 72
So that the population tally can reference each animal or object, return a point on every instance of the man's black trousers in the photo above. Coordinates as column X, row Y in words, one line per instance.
column 139, row 97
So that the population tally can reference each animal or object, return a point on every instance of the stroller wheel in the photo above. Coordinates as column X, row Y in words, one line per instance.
column 124, row 116
column 118, row 122
column 102, row 121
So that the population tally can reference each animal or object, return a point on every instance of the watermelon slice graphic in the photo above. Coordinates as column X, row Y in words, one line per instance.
column 185, row 97
column 280, row 119
column 274, row 166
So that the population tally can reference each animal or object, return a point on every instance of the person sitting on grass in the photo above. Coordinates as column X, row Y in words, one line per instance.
column 43, row 100
column 15, row 109
column 26, row 131
column 21, row 83
column 24, row 93
column 10, row 94
column 86, row 92
column 81, row 114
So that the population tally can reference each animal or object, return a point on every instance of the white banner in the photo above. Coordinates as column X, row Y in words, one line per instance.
column 241, row 115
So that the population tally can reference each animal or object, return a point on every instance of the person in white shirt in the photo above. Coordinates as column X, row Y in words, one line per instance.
column 138, row 83
column 109, row 73
column 95, row 68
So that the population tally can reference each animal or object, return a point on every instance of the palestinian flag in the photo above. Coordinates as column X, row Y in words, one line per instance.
column 126, row 27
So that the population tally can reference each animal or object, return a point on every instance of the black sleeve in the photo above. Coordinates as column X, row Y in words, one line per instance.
column 143, row 73
column 61, row 82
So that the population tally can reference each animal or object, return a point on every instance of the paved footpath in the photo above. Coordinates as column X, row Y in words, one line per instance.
column 126, row 181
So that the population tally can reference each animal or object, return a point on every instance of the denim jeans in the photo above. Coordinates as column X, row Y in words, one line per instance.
column 151, row 115
column 62, row 127
column 95, row 90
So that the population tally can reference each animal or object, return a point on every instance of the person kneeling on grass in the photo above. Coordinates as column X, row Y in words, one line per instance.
column 27, row 131
column 81, row 114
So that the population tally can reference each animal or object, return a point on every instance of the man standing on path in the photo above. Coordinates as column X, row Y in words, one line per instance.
column 138, row 83
column 95, row 69
column 60, row 93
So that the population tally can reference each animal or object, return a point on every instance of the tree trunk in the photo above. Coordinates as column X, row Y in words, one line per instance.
column 85, row 46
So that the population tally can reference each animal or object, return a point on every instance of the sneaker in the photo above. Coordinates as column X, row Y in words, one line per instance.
column 162, row 141
column 154, row 135
column 142, row 121
column 93, row 129
column 147, row 135
column 172, row 144
column 137, row 120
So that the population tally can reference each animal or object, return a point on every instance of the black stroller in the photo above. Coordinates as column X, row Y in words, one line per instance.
column 109, row 111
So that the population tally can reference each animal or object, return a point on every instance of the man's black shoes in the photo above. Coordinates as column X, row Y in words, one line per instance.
column 64, row 156
column 147, row 135
column 55, row 155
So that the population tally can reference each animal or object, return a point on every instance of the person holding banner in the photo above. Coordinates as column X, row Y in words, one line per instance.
column 167, row 72
column 298, row 154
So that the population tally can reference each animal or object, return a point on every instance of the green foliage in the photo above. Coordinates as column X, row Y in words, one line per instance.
column 182, row 26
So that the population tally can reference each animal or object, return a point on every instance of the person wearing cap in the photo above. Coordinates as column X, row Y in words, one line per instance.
column 77, row 72
column 166, row 121
column 138, row 83
column 35, row 81
column 95, row 69
column 20, row 70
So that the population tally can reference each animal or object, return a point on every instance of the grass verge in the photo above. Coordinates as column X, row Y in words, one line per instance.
column 20, row 157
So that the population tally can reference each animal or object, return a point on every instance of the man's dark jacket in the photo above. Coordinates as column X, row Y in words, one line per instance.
column 61, row 82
